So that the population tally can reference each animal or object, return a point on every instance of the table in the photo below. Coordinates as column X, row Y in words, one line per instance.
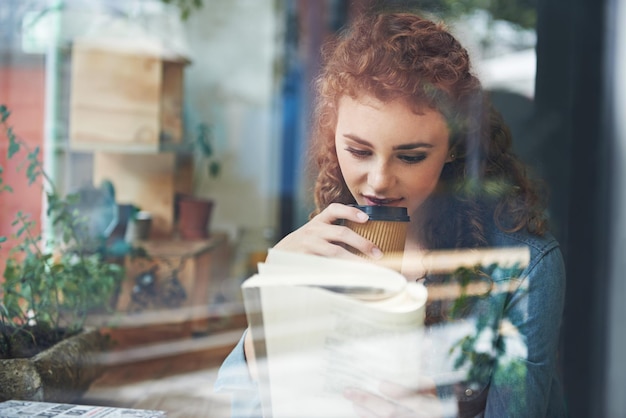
column 175, row 274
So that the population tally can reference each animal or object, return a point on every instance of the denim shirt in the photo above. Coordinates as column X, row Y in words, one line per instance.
column 511, row 363
column 515, row 335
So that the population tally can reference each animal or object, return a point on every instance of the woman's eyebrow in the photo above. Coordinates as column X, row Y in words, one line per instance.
column 358, row 140
column 403, row 147
column 413, row 146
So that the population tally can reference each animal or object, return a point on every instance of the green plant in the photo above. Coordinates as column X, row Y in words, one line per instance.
column 470, row 349
column 48, row 288
column 186, row 6
column 204, row 144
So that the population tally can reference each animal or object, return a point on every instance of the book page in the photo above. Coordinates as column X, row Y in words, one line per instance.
column 366, row 345
column 360, row 279
column 318, row 342
column 301, row 262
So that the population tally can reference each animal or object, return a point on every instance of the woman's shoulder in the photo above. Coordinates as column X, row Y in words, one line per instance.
column 539, row 245
column 545, row 272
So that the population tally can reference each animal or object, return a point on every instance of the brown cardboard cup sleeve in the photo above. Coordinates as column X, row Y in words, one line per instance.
column 386, row 227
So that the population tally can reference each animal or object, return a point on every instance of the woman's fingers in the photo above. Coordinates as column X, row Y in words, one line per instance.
column 337, row 211
column 368, row 405
column 327, row 240
column 339, row 234
column 344, row 236
column 322, row 236
column 397, row 402
column 395, row 391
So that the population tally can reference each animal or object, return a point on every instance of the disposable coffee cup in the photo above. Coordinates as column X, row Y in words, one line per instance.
column 386, row 227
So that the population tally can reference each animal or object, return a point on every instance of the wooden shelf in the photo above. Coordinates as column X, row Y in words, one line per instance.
column 124, row 101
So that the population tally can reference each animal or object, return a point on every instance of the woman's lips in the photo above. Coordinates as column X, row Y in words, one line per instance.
column 376, row 201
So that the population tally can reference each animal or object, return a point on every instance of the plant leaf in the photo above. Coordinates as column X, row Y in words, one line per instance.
column 14, row 146
column 214, row 169
column 4, row 113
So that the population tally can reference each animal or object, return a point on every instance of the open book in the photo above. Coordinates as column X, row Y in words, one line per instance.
column 320, row 325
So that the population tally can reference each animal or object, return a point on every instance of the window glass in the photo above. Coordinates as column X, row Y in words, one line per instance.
column 155, row 155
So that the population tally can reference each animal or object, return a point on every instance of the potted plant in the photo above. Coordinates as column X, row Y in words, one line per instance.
column 46, row 292
column 194, row 213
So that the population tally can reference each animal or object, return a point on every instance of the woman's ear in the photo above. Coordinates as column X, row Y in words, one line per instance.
column 451, row 155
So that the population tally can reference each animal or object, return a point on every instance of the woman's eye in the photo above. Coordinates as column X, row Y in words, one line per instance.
column 412, row 159
column 358, row 152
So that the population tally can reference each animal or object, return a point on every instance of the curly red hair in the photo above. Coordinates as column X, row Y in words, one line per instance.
column 401, row 56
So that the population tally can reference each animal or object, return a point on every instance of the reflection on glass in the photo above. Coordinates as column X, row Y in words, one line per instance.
column 400, row 120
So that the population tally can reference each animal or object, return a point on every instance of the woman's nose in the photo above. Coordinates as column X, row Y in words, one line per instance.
column 380, row 177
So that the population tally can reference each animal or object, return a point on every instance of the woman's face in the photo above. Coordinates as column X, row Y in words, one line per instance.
column 388, row 154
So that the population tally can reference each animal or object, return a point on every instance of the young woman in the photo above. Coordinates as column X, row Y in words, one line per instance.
column 402, row 121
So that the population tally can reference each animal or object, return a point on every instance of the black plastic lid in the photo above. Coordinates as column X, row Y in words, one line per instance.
column 385, row 213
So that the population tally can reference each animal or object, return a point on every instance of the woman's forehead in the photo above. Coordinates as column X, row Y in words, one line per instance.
column 367, row 117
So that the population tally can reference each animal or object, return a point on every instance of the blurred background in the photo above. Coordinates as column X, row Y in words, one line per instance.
column 161, row 104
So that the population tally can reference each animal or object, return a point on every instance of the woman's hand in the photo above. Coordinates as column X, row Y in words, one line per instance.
column 399, row 402
column 321, row 236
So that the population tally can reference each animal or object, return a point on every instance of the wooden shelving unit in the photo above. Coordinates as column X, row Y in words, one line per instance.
column 126, row 107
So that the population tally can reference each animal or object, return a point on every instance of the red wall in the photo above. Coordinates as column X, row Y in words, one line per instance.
column 22, row 90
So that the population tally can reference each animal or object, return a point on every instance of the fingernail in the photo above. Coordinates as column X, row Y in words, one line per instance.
column 362, row 216
column 348, row 393
column 351, row 394
column 376, row 253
